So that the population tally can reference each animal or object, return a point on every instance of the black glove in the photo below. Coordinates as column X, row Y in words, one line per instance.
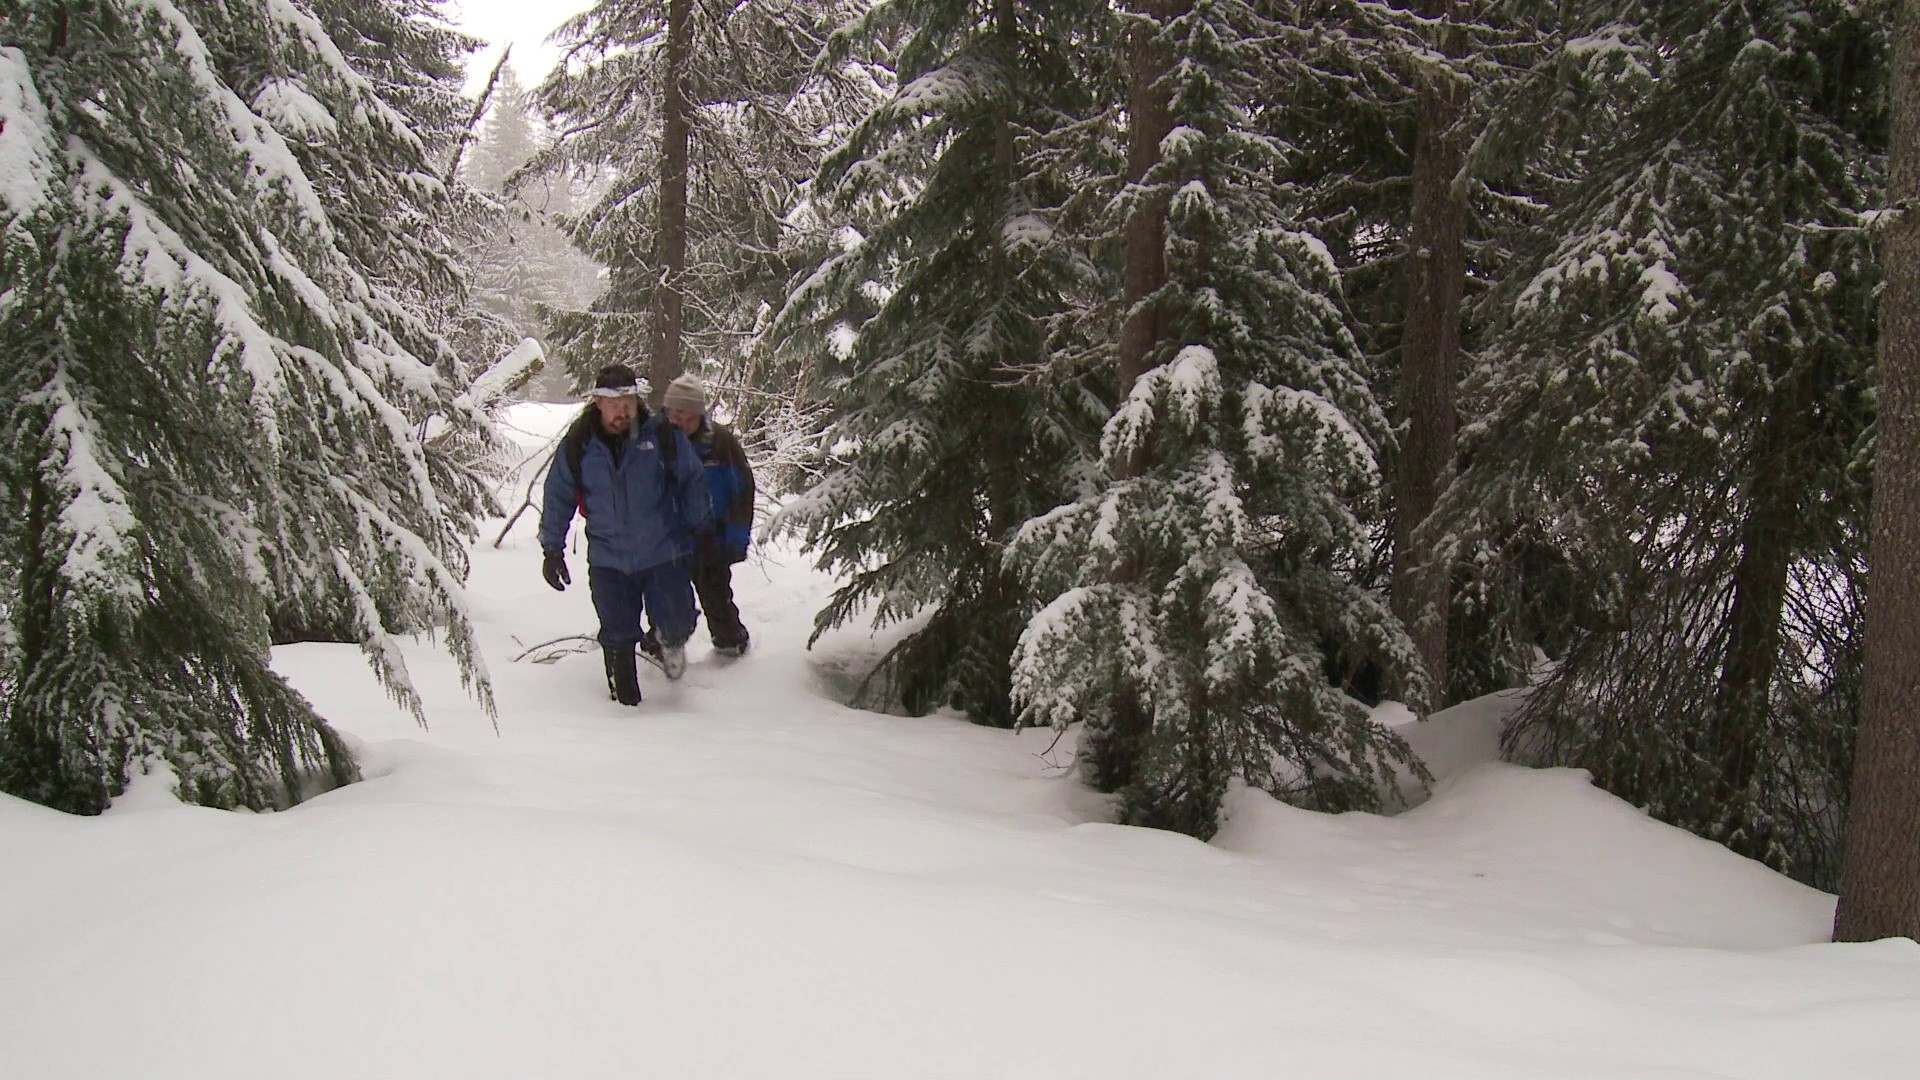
column 554, row 569
column 706, row 547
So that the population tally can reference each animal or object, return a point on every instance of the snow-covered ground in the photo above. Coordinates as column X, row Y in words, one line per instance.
column 744, row 878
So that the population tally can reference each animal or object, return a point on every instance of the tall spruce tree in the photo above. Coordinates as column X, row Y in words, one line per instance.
column 211, row 403
column 1389, row 109
column 1679, row 393
column 1435, row 269
column 954, row 427
column 688, row 105
column 396, row 215
column 1880, row 874
column 1195, row 586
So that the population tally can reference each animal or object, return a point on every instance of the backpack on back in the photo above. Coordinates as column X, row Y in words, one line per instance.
column 573, row 448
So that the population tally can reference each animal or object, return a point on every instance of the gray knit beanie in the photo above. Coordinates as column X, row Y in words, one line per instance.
column 687, row 393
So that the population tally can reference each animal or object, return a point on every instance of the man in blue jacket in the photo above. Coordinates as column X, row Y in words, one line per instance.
column 643, row 492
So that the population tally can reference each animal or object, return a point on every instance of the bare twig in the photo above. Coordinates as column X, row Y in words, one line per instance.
column 580, row 643
column 1047, row 754
column 526, row 500
column 473, row 119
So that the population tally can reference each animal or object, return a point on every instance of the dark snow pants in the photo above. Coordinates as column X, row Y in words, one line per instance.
column 624, row 601
column 714, row 582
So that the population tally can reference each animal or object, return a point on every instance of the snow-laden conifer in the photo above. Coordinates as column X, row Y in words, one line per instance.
column 1681, row 412
column 383, row 181
column 936, row 324
column 697, row 114
column 1196, row 590
column 212, row 405
column 1399, row 117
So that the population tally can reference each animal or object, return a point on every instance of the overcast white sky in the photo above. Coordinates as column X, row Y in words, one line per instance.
column 523, row 23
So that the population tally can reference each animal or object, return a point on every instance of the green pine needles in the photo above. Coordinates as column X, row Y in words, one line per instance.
column 212, row 405
column 1678, row 406
column 952, row 293
column 1196, row 591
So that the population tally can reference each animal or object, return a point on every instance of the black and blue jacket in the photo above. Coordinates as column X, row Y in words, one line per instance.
column 730, row 483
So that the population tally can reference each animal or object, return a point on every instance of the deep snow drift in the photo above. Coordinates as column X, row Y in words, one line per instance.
column 744, row 878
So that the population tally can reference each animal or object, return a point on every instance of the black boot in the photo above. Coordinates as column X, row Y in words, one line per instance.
column 734, row 647
column 623, row 679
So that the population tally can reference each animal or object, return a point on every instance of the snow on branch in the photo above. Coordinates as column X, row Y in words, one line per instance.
column 1185, row 388
column 1068, row 545
column 315, row 38
column 27, row 152
column 399, row 429
column 506, row 373
column 155, row 257
column 1277, row 419
column 1223, row 516
column 943, row 90
column 274, row 167
column 382, row 650
column 1080, row 648
column 1239, row 615
column 286, row 105
column 97, row 519
column 381, row 532
column 1662, row 289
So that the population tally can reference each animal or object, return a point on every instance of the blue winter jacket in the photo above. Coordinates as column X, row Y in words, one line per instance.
column 637, row 516
column 730, row 481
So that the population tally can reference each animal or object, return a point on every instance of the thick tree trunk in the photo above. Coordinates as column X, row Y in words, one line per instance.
column 669, row 305
column 1880, row 867
column 1114, row 756
column 1430, row 356
column 1149, row 111
column 1006, row 30
column 1743, row 701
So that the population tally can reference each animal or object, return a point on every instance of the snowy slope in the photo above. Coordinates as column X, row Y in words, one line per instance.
column 743, row 878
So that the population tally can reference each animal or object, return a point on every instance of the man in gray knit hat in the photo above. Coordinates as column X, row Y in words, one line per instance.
column 730, row 484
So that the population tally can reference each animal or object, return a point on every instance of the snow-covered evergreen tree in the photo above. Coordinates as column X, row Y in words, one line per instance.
column 213, row 395
column 396, row 215
column 1880, row 876
column 947, row 300
column 1388, row 108
column 688, row 107
column 1682, row 411
column 1195, row 589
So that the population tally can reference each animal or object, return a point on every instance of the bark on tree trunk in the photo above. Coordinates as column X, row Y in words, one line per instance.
column 1880, row 866
column 1006, row 30
column 1149, row 108
column 1430, row 355
column 1743, row 700
column 1114, row 758
column 669, row 307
